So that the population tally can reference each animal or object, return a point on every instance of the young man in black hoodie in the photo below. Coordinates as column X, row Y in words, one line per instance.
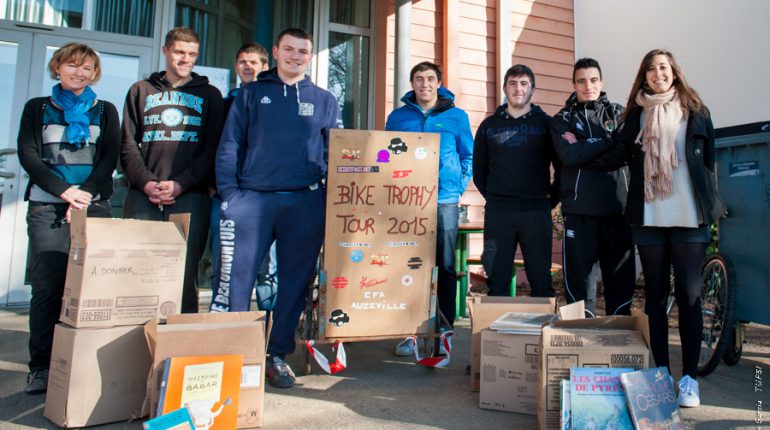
column 512, row 159
column 592, row 199
column 171, row 127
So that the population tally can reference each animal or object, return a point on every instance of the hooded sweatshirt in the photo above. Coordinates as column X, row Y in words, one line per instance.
column 171, row 133
column 587, row 190
column 276, row 137
column 512, row 160
column 456, row 152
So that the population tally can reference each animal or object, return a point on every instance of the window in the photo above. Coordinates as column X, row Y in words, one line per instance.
column 348, row 59
column 129, row 17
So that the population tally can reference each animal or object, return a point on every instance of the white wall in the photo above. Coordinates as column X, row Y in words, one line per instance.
column 722, row 46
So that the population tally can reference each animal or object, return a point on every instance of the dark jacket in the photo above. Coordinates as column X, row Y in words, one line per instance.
column 276, row 137
column 171, row 133
column 512, row 160
column 584, row 189
column 30, row 147
column 701, row 159
column 456, row 147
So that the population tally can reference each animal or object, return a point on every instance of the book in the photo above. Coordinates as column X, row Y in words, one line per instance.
column 652, row 400
column 597, row 399
column 207, row 386
column 176, row 420
column 565, row 420
column 521, row 322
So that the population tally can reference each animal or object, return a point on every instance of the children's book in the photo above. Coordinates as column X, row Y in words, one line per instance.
column 521, row 322
column 652, row 400
column 565, row 419
column 598, row 400
column 207, row 386
column 176, row 420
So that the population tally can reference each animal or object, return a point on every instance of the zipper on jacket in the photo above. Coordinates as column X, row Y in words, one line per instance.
column 577, row 182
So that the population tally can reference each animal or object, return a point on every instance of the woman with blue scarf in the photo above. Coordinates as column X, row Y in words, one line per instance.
column 68, row 144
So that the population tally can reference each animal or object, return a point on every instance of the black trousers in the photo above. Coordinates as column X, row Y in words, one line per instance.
column 49, row 244
column 503, row 232
column 198, row 205
column 608, row 240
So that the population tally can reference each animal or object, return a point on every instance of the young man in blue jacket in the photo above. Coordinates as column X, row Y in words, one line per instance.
column 271, row 166
column 430, row 108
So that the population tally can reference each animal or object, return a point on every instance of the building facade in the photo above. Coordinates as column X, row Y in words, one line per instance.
column 363, row 51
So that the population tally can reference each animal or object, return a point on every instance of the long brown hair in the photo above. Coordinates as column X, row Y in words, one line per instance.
column 689, row 98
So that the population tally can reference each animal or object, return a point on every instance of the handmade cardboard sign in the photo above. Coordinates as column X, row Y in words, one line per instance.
column 380, row 245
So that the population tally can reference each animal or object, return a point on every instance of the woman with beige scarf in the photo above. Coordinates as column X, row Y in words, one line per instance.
column 672, row 199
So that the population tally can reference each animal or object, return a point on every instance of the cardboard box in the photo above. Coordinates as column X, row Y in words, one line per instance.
column 620, row 341
column 212, row 334
column 123, row 272
column 97, row 376
column 485, row 310
column 509, row 372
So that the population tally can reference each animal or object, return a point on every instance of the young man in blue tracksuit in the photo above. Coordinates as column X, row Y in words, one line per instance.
column 270, row 166
column 250, row 60
column 430, row 108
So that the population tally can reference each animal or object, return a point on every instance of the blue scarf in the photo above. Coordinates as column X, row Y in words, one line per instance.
column 75, row 108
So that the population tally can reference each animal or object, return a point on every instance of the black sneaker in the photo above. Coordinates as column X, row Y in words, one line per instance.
column 278, row 373
column 37, row 382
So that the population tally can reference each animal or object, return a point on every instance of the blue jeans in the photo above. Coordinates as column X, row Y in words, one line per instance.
column 446, row 237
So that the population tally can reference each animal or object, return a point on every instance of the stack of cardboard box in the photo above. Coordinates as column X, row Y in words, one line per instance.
column 120, row 323
column 522, row 372
column 120, row 274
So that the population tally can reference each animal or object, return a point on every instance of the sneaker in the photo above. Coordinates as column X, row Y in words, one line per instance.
column 37, row 382
column 404, row 348
column 689, row 395
column 278, row 373
column 441, row 348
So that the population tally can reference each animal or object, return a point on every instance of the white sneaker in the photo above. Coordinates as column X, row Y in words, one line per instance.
column 404, row 348
column 689, row 394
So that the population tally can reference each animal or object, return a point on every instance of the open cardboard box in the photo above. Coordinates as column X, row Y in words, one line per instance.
column 616, row 341
column 212, row 334
column 123, row 271
column 484, row 310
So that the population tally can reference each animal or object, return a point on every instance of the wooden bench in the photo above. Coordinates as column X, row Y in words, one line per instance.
column 475, row 260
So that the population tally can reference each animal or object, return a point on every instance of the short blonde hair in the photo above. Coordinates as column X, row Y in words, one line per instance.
column 76, row 53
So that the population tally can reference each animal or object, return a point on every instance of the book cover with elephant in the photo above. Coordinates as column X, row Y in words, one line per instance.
column 207, row 386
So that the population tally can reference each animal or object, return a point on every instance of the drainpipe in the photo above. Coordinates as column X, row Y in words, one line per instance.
column 403, row 50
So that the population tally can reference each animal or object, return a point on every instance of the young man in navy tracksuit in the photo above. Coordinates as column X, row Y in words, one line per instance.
column 430, row 108
column 593, row 199
column 250, row 60
column 270, row 167
column 512, row 158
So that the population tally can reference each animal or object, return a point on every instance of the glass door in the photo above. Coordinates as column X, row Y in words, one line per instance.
column 15, row 59
column 24, row 57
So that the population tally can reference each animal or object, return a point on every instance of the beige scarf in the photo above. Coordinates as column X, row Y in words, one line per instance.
column 662, row 118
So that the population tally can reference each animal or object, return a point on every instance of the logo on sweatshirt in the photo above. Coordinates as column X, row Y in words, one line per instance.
column 306, row 109
column 265, row 100
column 171, row 117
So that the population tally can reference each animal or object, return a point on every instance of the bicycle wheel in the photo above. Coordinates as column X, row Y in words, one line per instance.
column 733, row 354
column 718, row 302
